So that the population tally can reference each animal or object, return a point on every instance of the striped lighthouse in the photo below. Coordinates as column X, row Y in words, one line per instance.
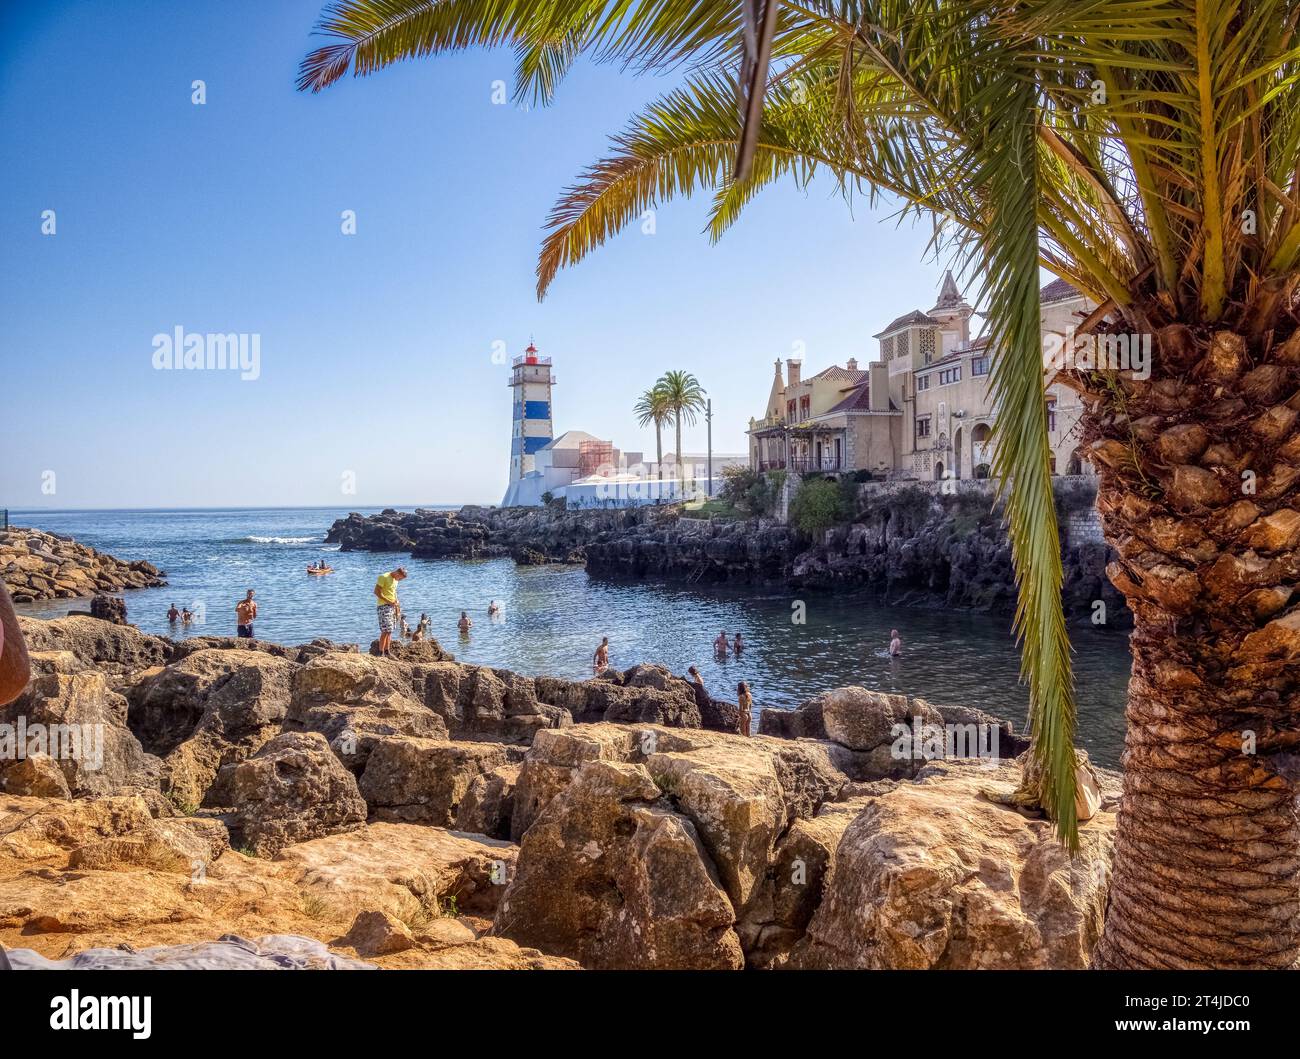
column 531, row 380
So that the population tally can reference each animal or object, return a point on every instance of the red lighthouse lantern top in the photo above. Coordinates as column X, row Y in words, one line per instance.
column 530, row 354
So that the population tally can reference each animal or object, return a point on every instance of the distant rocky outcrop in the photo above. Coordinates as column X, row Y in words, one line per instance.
column 531, row 536
column 36, row 565
column 905, row 546
column 427, row 813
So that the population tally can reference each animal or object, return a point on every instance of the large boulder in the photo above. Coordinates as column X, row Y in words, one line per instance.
column 109, row 608
column 555, row 756
column 613, row 877
column 212, row 709
column 291, row 790
column 644, row 694
column 785, row 898
column 424, row 780
column 864, row 720
column 120, row 651
column 37, row 776
column 872, row 734
column 729, row 785
column 350, row 678
column 355, row 700
column 78, row 721
column 742, row 794
column 495, row 704
column 934, row 874
column 168, row 704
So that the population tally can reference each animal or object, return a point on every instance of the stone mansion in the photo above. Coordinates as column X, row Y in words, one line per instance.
column 921, row 410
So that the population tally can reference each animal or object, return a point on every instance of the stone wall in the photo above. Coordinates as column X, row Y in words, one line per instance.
column 1080, row 523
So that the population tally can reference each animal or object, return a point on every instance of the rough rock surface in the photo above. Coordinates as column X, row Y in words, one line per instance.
column 376, row 933
column 478, row 702
column 108, row 608
column 424, row 780
column 291, row 790
column 95, row 750
column 37, row 776
column 611, row 876
column 211, row 709
column 642, row 844
column 36, row 565
column 785, row 898
column 863, row 720
column 354, row 700
column 78, row 879
column 409, row 870
column 644, row 694
column 489, row 802
column 119, row 651
column 932, row 874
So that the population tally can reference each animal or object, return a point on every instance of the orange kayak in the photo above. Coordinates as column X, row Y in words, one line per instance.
column 327, row 570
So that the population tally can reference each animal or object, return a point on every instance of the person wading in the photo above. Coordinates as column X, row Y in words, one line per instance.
column 246, row 613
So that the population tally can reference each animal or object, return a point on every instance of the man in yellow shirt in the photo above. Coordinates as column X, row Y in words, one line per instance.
column 386, row 594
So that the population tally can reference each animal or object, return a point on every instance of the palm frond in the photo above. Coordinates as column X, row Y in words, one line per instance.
column 1006, row 164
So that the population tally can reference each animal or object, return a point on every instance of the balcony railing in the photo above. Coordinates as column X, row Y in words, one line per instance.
column 771, row 465
column 803, row 464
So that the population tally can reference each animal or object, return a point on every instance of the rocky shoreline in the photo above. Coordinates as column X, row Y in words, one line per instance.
column 321, row 806
column 37, row 566
column 904, row 548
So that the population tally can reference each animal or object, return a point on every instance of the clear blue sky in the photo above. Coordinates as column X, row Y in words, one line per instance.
column 376, row 349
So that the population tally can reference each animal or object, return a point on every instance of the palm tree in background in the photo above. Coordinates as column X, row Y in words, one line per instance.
column 652, row 407
column 684, row 399
column 1147, row 151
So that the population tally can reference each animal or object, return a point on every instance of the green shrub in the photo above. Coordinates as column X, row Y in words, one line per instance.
column 818, row 505
column 750, row 492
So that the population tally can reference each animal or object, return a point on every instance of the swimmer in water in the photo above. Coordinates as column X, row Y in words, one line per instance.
column 895, row 644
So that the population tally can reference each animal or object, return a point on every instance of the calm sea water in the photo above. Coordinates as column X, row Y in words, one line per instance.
column 553, row 617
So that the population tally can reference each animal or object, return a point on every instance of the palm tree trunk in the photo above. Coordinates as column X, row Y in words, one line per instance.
column 681, row 478
column 659, row 451
column 1206, row 871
